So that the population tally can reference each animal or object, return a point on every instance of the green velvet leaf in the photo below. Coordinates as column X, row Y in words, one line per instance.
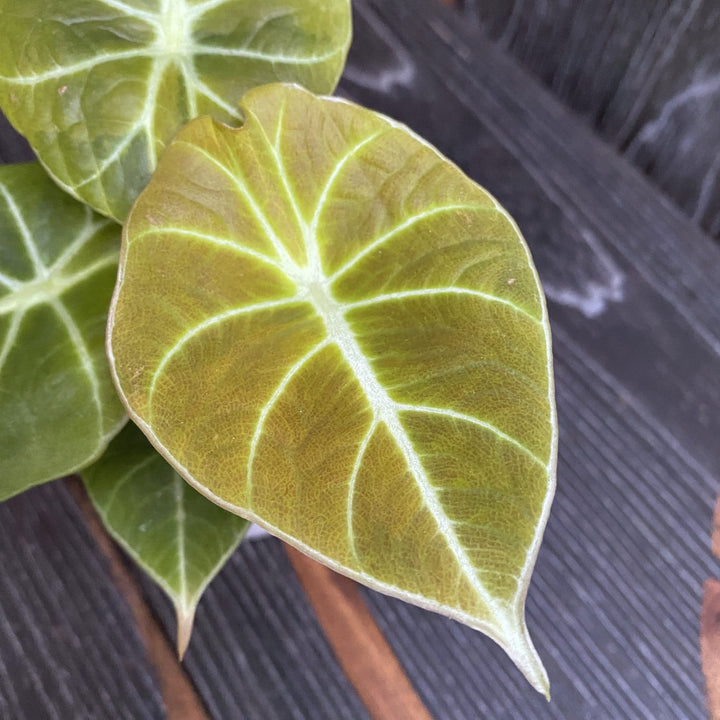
column 352, row 349
column 99, row 87
column 58, row 264
column 177, row 536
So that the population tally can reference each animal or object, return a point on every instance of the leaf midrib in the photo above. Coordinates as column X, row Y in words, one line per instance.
column 183, row 595
column 386, row 411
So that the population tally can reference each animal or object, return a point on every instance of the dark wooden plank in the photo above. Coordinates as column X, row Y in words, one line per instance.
column 636, row 314
column 645, row 74
column 68, row 648
column 257, row 651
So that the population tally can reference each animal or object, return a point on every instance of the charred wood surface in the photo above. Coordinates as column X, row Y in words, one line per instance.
column 644, row 73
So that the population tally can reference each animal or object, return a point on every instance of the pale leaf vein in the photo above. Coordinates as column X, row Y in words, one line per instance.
column 202, row 88
column 205, row 7
column 289, row 267
column 83, row 355
column 178, row 483
column 121, row 482
column 131, row 11
column 351, row 486
column 325, row 194
column 445, row 412
column 275, row 58
column 143, row 124
column 25, row 234
column 282, row 172
column 205, row 325
column 45, row 291
column 212, row 240
column 407, row 223
column 10, row 337
column 62, row 71
column 279, row 390
column 429, row 292
column 89, row 229
column 10, row 283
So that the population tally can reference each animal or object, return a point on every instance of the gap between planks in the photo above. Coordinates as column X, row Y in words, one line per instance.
column 360, row 647
column 181, row 700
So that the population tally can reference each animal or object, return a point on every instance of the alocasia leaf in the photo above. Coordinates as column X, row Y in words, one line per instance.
column 58, row 264
column 330, row 330
column 177, row 536
column 99, row 87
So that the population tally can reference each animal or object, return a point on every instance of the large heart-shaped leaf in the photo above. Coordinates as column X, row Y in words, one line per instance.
column 177, row 536
column 99, row 87
column 328, row 329
column 58, row 263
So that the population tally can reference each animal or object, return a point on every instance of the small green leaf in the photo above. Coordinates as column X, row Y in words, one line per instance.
column 177, row 536
column 58, row 264
column 99, row 87
column 352, row 349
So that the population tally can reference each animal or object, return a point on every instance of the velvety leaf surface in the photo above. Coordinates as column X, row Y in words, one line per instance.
column 328, row 329
column 99, row 87
column 177, row 536
column 58, row 264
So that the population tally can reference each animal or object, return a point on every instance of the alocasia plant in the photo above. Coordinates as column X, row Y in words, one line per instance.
column 319, row 321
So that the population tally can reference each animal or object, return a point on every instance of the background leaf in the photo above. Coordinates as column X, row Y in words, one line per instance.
column 58, row 264
column 99, row 87
column 352, row 350
column 177, row 536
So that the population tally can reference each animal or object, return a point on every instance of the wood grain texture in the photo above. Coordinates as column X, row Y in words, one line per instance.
column 645, row 74
column 360, row 647
column 68, row 647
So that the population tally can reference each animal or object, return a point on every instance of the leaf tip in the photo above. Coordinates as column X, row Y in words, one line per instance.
column 185, row 620
column 523, row 653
